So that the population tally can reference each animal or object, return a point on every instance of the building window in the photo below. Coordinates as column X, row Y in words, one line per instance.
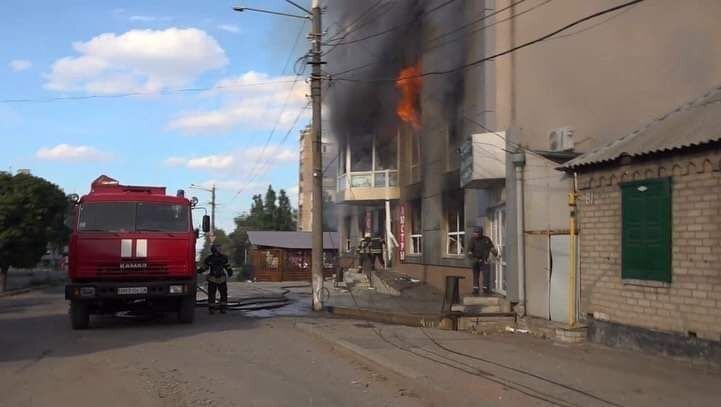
column 416, row 228
column 646, row 230
column 454, row 223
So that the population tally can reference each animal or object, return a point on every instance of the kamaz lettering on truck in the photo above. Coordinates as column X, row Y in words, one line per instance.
column 132, row 248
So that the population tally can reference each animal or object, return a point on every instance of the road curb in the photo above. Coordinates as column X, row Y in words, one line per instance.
column 358, row 351
column 388, row 317
column 13, row 293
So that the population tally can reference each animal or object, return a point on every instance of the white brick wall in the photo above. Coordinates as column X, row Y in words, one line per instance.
column 692, row 302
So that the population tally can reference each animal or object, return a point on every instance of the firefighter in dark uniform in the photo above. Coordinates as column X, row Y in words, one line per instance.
column 479, row 250
column 218, row 272
column 364, row 251
column 377, row 247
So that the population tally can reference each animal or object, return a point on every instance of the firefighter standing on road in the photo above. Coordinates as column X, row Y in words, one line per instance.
column 217, row 265
column 378, row 245
column 480, row 249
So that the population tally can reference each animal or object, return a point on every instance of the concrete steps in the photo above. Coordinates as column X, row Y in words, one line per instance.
column 356, row 279
column 483, row 305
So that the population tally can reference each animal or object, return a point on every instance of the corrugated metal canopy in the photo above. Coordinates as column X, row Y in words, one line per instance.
column 695, row 123
column 292, row 240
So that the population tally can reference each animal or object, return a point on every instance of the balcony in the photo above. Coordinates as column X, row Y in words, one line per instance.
column 368, row 169
column 369, row 186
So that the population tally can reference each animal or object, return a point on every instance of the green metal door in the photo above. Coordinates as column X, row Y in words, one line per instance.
column 646, row 230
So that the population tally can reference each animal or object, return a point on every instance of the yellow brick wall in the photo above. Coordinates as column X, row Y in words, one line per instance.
column 692, row 302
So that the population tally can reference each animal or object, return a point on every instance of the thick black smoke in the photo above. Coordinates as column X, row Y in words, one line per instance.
column 367, row 104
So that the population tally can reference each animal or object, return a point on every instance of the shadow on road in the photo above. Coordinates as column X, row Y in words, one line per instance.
column 37, row 325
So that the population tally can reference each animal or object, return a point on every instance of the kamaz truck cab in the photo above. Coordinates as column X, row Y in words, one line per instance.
column 132, row 247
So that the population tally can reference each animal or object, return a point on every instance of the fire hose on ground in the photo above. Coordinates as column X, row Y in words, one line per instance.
column 253, row 303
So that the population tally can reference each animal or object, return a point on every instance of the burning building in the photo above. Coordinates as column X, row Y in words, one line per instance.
column 435, row 137
column 399, row 134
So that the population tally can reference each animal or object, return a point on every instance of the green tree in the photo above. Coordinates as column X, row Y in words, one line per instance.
column 271, row 213
column 270, row 210
column 256, row 215
column 32, row 216
column 286, row 216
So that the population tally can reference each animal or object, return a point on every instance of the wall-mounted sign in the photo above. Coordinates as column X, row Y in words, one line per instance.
column 402, row 233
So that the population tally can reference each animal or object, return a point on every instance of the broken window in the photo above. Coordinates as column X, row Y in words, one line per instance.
column 455, row 224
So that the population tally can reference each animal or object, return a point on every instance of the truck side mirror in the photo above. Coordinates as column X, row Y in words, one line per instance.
column 206, row 223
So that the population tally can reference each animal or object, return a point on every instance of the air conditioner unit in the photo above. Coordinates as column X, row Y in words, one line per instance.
column 561, row 139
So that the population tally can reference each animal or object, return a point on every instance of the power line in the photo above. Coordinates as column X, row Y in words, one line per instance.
column 166, row 92
column 348, row 29
column 365, row 23
column 394, row 28
column 506, row 52
column 450, row 41
column 482, row 18
column 252, row 174
column 485, row 27
column 255, row 174
column 290, row 91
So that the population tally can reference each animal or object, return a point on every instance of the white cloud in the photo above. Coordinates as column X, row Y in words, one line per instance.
column 254, row 100
column 145, row 19
column 175, row 161
column 240, row 163
column 138, row 60
column 149, row 19
column 67, row 152
column 231, row 28
column 233, row 184
column 213, row 162
column 18, row 65
column 209, row 162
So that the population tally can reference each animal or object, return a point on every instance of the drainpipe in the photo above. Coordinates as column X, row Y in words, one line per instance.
column 390, row 239
column 572, row 254
column 518, row 159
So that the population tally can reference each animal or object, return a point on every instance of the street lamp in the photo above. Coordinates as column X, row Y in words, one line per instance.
column 212, row 205
column 314, row 15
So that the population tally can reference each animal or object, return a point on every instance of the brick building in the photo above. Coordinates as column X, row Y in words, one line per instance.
column 649, row 213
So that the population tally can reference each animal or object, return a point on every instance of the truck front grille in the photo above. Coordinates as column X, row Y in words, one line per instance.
column 149, row 268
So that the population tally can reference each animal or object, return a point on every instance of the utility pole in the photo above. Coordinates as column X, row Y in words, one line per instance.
column 316, row 33
column 317, row 202
column 212, row 211
column 212, row 207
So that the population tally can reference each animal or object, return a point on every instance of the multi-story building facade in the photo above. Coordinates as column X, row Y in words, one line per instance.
column 305, row 181
column 526, row 112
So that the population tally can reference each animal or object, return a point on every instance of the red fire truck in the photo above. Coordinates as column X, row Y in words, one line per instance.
column 132, row 247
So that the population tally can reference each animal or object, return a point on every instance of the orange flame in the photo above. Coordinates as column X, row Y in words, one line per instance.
column 409, row 83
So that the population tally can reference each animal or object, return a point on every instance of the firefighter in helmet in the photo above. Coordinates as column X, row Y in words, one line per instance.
column 218, row 268
column 378, row 246
column 364, row 251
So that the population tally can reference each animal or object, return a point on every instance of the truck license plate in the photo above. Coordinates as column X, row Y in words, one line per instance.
column 132, row 290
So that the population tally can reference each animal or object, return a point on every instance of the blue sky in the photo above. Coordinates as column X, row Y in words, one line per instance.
column 162, row 137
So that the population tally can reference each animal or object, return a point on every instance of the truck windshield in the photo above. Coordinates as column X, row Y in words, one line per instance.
column 133, row 217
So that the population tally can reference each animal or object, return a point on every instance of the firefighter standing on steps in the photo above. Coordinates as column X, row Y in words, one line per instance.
column 217, row 265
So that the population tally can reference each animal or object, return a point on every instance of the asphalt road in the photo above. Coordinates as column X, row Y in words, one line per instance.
column 220, row 360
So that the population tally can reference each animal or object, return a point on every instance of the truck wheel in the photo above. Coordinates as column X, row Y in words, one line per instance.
column 186, row 309
column 79, row 315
